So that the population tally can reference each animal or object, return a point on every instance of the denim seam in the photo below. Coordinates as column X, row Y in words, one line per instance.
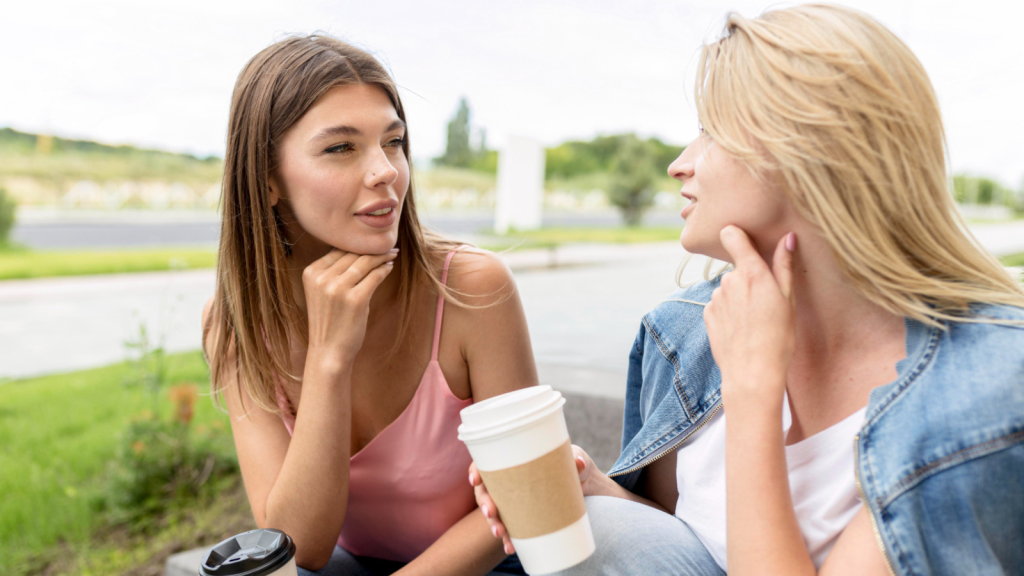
column 671, row 357
column 653, row 447
column 883, row 525
column 910, row 378
column 952, row 460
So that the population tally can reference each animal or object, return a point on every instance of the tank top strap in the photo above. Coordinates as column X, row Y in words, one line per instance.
column 436, row 345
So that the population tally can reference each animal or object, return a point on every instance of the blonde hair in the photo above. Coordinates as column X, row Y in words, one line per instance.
column 254, row 312
column 841, row 112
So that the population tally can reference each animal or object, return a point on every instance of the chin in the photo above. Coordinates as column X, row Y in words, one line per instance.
column 369, row 244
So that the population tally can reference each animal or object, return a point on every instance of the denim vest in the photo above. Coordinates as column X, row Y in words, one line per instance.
column 939, row 459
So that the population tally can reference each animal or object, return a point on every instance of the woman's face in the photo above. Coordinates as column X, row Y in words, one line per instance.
column 722, row 191
column 342, row 175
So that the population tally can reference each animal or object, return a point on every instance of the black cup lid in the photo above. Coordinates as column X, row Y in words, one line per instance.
column 252, row 553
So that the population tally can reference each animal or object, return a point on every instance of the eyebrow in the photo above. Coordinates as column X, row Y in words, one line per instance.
column 346, row 130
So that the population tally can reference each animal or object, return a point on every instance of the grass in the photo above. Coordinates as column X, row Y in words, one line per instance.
column 57, row 435
column 1013, row 259
column 552, row 237
column 20, row 262
column 16, row 263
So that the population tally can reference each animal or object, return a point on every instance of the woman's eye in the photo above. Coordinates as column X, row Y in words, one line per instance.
column 397, row 142
column 340, row 148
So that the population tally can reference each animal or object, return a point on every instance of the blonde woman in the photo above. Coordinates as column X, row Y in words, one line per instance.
column 325, row 335
column 849, row 398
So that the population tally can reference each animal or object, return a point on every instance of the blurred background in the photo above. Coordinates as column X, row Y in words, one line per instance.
column 112, row 125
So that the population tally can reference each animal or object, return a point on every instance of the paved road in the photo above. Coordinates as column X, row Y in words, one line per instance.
column 582, row 318
column 53, row 230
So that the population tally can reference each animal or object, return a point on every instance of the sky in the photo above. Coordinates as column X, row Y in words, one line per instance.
column 160, row 74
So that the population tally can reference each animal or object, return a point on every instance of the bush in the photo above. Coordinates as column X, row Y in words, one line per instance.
column 7, row 207
column 162, row 463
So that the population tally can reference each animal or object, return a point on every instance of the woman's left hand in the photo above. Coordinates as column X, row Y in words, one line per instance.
column 750, row 322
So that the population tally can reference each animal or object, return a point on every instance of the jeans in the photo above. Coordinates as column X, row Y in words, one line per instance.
column 343, row 563
column 635, row 539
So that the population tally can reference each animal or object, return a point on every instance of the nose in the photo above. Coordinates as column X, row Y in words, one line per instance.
column 380, row 171
column 682, row 167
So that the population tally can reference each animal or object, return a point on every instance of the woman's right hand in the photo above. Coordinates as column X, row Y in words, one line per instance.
column 338, row 288
column 589, row 475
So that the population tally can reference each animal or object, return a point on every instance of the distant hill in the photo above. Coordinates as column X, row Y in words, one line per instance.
column 59, row 162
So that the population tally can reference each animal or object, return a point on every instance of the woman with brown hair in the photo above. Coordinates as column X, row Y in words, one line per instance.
column 324, row 336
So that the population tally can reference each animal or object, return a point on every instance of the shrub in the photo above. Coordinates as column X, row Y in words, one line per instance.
column 7, row 206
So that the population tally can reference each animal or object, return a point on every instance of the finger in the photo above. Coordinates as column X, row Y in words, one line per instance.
column 782, row 265
column 474, row 475
column 740, row 248
column 326, row 261
column 362, row 266
column 509, row 549
column 582, row 460
column 368, row 285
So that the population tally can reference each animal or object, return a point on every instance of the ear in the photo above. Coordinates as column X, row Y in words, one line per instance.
column 275, row 191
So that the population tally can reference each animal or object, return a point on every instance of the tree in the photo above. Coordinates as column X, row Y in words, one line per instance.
column 458, row 151
column 633, row 172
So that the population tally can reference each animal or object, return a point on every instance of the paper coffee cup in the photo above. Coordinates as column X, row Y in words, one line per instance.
column 521, row 447
column 266, row 552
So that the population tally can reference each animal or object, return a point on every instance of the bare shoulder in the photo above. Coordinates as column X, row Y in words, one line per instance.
column 480, row 277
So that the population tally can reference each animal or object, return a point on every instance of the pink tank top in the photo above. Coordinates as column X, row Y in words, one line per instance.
column 408, row 486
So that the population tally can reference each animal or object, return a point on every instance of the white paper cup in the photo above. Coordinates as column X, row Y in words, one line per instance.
column 265, row 552
column 521, row 447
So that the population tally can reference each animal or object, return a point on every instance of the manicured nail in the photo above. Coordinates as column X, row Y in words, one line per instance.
column 494, row 530
column 394, row 250
column 483, row 508
column 507, row 549
column 790, row 241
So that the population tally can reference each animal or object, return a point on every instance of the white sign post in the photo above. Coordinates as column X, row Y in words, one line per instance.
column 520, row 199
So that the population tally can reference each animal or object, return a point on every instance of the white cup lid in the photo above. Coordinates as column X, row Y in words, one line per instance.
column 496, row 414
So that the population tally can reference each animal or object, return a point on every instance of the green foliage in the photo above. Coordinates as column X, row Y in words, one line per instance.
column 554, row 237
column 576, row 158
column 160, row 462
column 7, row 208
column 633, row 168
column 57, row 435
column 985, row 191
column 60, row 161
column 633, row 173
column 16, row 262
column 459, row 153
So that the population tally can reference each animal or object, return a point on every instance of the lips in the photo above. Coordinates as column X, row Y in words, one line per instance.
column 689, row 207
column 378, row 208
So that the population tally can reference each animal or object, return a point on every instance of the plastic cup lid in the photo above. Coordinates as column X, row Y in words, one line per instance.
column 507, row 410
column 252, row 553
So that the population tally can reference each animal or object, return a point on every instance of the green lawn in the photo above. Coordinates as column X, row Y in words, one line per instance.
column 1013, row 260
column 58, row 435
column 549, row 237
column 18, row 263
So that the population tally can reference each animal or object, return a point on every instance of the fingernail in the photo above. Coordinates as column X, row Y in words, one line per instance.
column 483, row 508
column 390, row 264
column 394, row 250
column 471, row 480
column 790, row 241
column 494, row 530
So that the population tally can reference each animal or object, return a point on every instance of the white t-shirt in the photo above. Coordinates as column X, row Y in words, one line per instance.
column 821, row 481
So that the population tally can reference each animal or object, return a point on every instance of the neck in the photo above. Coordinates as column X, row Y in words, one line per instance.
column 834, row 321
column 308, row 250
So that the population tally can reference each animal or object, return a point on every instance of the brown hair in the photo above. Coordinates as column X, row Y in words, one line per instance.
column 253, row 306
